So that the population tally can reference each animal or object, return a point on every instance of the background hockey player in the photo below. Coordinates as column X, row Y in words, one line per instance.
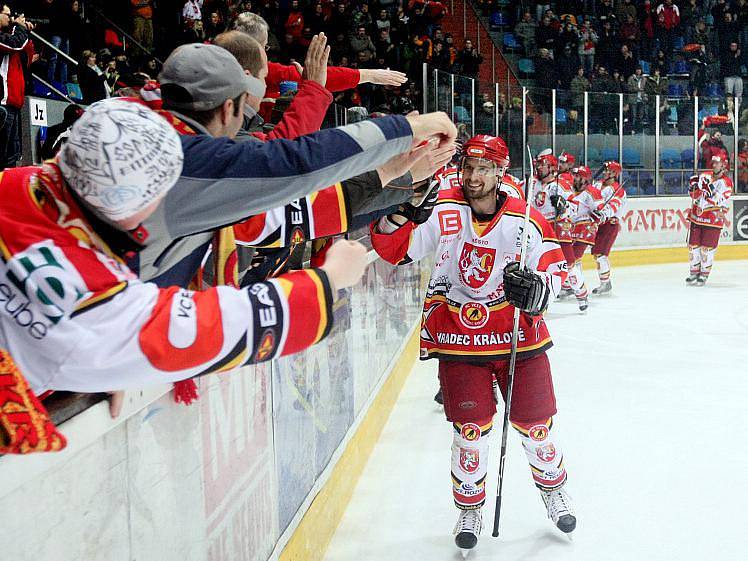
column 711, row 193
column 566, row 163
column 582, row 203
column 474, row 232
column 608, row 215
column 550, row 196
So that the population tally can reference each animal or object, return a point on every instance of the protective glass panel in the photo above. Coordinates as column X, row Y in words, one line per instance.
column 677, row 164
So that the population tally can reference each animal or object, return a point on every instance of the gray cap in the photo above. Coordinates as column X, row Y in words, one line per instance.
column 198, row 77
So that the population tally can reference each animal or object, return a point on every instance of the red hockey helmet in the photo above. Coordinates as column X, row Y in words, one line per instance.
column 487, row 147
column 613, row 167
column 547, row 157
column 566, row 158
column 583, row 172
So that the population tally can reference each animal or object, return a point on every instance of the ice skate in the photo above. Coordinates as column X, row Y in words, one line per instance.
column 691, row 279
column 439, row 398
column 700, row 281
column 560, row 510
column 468, row 528
column 565, row 293
column 583, row 303
column 604, row 288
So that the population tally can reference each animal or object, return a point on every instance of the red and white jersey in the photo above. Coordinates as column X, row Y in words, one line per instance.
column 465, row 312
column 541, row 197
column 581, row 206
column 614, row 200
column 449, row 178
column 74, row 317
column 711, row 200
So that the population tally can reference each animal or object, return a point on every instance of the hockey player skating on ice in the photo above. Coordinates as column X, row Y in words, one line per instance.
column 710, row 192
column 467, row 324
column 608, row 214
column 585, row 200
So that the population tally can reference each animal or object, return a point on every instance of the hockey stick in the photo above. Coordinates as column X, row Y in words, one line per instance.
column 513, row 355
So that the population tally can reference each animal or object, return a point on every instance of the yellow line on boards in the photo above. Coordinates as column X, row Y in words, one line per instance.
column 655, row 256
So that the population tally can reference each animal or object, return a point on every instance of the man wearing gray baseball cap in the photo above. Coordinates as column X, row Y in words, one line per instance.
column 204, row 90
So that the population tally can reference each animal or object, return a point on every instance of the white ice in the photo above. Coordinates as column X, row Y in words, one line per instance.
column 652, row 386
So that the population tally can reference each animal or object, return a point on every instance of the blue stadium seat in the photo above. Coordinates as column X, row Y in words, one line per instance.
column 461, row 114
column 41, row 135
column 561, row 116
column 526, row 66
column 708, row 111
column 709, row 19
column 608, row 154
column 74, row 91
column 681, row 67
column 497, row 21
column 645, row 66
column 510, row 42
column 670, row 158
column 672, row 183
column 675, row 90
column 686, row 158
column 679, row 43
column 712, row 90
column 672, row 116
column 631, row 158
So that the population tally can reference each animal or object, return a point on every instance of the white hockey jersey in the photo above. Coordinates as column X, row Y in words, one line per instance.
column 711, row 200
column 541, row 198
column 465, row 313
column 613, row 201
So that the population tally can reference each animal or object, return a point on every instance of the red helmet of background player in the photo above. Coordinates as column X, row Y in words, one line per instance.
column 583, row 172
column 566, row 158
column 547, row 157
column 487, row 147
column 719, row 160
column 613, row 167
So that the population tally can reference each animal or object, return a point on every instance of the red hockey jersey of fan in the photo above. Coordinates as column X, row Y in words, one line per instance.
column 465, row 314
column 74, row 317
column 710, row 200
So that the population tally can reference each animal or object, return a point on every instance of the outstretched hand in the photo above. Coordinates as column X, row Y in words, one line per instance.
column 315, row 64
column 382, row 77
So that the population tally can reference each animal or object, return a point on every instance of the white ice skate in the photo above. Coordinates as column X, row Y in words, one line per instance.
column 584, row 303
column 565, row 293
column 701, row 281
column 692, row 278
column 468, row 528
column 560, row 510
column 604, row 288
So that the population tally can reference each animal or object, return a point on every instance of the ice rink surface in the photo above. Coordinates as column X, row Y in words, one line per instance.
column 652, row 390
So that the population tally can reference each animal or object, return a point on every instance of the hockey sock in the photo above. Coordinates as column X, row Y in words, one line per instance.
column 543, row 453
column 707, row 258
column 470, row 463
column 603, row 267
column 694, row 262
column 576, row 279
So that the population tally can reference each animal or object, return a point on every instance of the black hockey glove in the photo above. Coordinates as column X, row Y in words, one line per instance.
column 559, row 203
column 597, row 215
column 525, row 290
column 420, row 213
column 693, row 182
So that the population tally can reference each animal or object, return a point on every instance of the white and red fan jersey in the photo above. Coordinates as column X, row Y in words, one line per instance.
column 465, row 312
column 581, row 206
column 449, row 178
column 710, row 200
column 614, row 200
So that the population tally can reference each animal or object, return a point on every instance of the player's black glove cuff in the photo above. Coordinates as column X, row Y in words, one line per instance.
column 525, row 290
column 418, row 214
column 559, row 203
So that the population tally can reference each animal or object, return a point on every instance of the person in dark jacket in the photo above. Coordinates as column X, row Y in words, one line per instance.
column 729, row 65
column 58, row 134
column 91, row 79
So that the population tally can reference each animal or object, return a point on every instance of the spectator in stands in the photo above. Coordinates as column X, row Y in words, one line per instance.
column 318, row 20
column 661, row 62
column 668, row 24
column 579, row 85
column 568, row 37
column 111, row 75
column 606, row 12
column 587, row 43
column 702, row 34
column 728, row 32
column 567, row 64
column 647, row 20
column 485, row 120
column 545, row 36
column 362, row 17
column 711, row 145
column 192, row 15
column 626, row 63
column 656, row 83
column 58, row 134
column 362, row 43
column 729, row 65
column 690, row 13
column 91, row 79
column 547, row 78
column 340, row 20
column 607, row 46
column 56, row 12
column 214, row 26
column 629, row 33
column 383, row 21
column 541, row 7
column 525, row 33
column 637, row 99
column 16, row 54
column 470, row 60
column 743, row 165
column 742, row 22
column 142, row 22
column 295, row 20
column 624, row 10
column 602, row 106
column 698, row 75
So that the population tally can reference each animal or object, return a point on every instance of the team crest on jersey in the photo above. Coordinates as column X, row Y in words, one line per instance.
column 538, row 433
column 469, row 459
column 476, row 264
column 470, row 432
column 266, row 346
column 540, row 199
column 297, row 236
column 473, row 315
column 546, row 453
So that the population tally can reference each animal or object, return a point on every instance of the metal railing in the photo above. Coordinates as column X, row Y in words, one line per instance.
column 657, row 138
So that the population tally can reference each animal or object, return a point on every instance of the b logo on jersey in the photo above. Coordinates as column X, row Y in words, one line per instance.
column 266, row 346
column 470, row 432
column 476, row 264
column 546, row 453
column 538, row 433
column 450, row 222
column 473, row 315
column 540, row 199
column 469, row 459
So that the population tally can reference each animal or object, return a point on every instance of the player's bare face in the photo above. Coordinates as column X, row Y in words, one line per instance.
column 544, row 169
column 479, row 179
column 718, row 167
column 578, row 184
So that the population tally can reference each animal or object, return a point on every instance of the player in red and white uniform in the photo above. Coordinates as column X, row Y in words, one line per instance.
column 608, row 214
column 475, row 233
column 566, row 163
column 585, row 200
column 711, row 193
column 550, row 196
